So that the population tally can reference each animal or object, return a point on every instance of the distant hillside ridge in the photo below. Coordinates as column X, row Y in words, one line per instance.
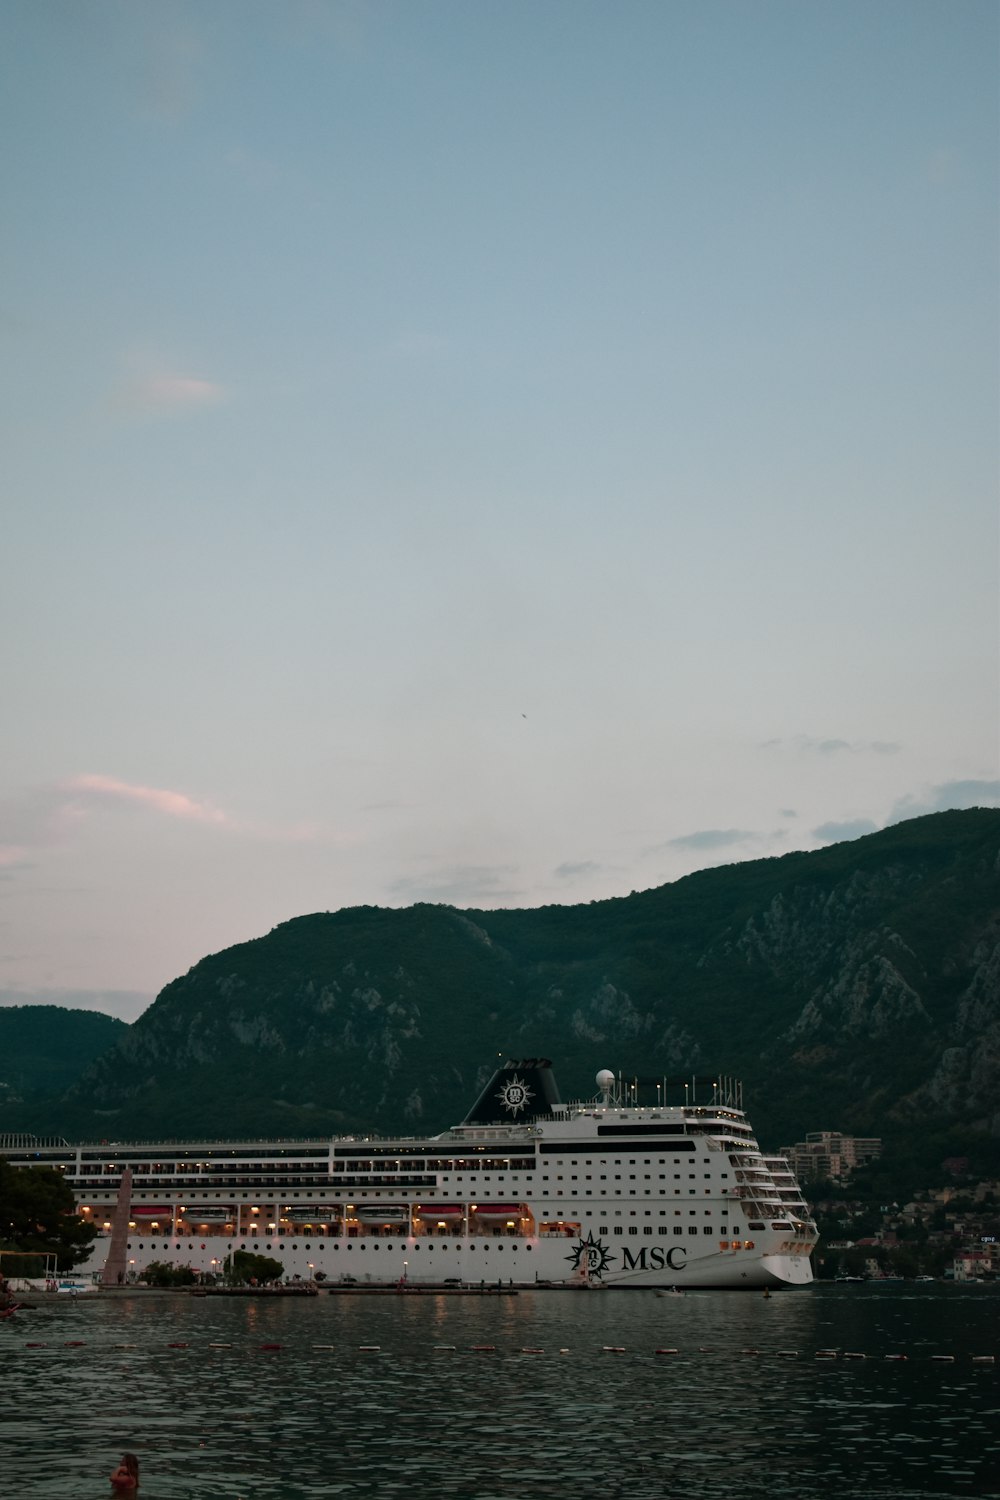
column 855, row 988
column 43, row 1049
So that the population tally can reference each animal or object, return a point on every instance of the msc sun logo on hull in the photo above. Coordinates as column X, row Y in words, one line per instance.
column 591, row 1256
column 594, row 1257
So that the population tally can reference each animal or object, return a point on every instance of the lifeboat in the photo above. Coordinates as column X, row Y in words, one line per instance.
column 388, row 1213
column 498, row 1213
column 450, row 1212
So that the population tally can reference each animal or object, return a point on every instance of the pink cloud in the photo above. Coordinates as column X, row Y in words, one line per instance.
column 152, row 387
column 161, row 799
column 165, row 391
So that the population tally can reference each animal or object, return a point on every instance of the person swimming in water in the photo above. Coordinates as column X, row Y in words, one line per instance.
column 126, row 1476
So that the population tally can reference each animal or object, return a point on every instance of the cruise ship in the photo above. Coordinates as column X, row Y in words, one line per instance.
column 625, row 1190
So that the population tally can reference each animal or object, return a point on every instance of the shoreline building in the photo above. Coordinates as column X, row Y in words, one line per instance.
column 831, row 1154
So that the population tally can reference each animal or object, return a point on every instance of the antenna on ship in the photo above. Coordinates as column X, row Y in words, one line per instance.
column 605, row 1082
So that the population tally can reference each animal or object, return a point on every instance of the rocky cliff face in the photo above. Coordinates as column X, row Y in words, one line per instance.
column 855, row 988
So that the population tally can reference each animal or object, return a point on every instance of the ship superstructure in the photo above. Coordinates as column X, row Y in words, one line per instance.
column 527, row 1189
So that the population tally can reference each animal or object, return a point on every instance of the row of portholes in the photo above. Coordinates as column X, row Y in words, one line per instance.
column 361, row 1246
column 444, row 1246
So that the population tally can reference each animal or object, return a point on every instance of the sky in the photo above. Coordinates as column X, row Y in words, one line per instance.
column 495, row 454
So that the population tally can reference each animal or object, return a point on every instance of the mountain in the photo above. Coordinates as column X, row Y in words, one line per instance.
column 854, row 988
column 43, row 1049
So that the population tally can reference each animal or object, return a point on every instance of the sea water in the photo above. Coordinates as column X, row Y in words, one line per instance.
column 538, row 1394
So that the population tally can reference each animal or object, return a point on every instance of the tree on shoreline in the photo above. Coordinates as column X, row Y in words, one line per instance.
column 38, row 1216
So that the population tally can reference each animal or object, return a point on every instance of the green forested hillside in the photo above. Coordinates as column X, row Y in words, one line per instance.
column 856, row 988
column 43, row 1048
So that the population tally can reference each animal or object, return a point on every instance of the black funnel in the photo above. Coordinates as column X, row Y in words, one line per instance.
column 523, row 1089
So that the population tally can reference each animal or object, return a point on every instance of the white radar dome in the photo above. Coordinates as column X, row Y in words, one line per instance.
column 605, row 1078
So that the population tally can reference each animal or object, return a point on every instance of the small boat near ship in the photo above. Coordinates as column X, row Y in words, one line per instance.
column 623, row 1190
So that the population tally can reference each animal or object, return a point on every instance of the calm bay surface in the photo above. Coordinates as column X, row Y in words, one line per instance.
column 571, row 1397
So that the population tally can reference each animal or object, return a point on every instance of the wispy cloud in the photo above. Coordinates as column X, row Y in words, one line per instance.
column 461, row 885
column 807, row 744
column 946, row 797
column 161, row 799
column 836, row 833
column 152, row 385
column 49, row 817
column 575, row 871
column 171, row 392
column 709, row 838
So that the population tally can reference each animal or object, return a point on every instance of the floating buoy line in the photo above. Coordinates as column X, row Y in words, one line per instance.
column 749, row 1352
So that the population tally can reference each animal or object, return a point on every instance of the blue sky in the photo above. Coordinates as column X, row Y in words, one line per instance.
column 496, row 454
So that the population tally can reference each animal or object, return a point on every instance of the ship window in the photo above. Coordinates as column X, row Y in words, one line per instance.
column 678, row 1229
column 707, row 1229
column 647, row 1229
column 618, row 1229
column 692, row 1229
column 633, row 1229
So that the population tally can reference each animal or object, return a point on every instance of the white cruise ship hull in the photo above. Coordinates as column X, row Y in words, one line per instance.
column 527, row 1191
